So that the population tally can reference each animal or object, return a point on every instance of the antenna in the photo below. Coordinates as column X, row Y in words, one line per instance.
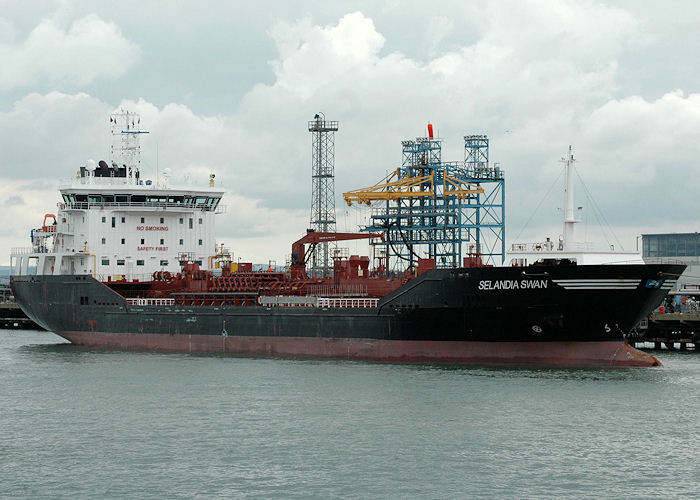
column 126, row 144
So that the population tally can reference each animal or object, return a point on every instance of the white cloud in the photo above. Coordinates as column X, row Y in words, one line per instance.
column 7, row 31
column 584, row 32
column 49, row 136
column 87, row 50
column 537, row 78
column 439, row 28
column 312, row 56
column 13, row 200
column 644, row 155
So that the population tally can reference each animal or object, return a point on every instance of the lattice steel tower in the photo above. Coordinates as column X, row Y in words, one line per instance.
column 488, row 212
column 323, row 192
column 436, row 210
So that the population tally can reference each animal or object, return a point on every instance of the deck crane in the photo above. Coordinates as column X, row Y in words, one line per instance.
column 300, row 254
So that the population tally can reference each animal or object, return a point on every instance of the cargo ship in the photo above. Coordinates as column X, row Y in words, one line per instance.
column 130, row 263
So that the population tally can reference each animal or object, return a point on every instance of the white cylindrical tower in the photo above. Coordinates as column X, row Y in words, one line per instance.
column 568, row 212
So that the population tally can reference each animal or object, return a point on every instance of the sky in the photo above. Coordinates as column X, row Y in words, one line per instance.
column 228, row 87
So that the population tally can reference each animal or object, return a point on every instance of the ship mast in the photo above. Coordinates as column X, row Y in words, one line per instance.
column 126, row 144
column 569, row 214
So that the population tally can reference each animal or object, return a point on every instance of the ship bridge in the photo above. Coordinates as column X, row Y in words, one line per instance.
column 115, row 225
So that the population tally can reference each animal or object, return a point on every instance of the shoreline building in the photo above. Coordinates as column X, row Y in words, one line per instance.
column 683, row 247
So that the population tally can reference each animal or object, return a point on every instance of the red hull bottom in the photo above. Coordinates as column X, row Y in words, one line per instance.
column 590, row 354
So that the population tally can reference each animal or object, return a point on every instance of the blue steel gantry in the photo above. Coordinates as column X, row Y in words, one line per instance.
column 443, row 211
column 486, row 212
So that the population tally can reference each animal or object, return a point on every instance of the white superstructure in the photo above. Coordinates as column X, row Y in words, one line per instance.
column 115, row 225
column 523, row 254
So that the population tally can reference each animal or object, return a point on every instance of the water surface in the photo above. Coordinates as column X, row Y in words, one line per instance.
column 76, row 422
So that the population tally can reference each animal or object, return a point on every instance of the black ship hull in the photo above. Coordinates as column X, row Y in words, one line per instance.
column 572, row 315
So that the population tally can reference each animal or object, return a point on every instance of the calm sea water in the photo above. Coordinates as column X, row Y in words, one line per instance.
column 81, row 423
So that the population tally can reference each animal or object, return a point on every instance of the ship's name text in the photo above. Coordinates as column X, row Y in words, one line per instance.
column 511, row 284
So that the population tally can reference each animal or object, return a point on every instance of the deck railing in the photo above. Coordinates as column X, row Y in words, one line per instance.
column 320, row 302
column 22, row 250
column 150, row 302
column 85, row 205
column 332, row 302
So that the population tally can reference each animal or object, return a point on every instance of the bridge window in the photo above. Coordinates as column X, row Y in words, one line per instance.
column 139, row 262
column 120, row 262
column 105, row 262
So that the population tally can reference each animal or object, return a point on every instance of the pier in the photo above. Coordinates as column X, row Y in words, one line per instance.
column 12, row 317
column 673, row 331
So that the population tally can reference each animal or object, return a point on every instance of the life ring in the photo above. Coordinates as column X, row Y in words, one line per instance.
column 538, row 247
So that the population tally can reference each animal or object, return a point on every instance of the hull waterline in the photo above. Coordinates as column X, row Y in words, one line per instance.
column 571, row 354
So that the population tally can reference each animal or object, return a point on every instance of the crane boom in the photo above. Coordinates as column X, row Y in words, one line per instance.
column 300, row 254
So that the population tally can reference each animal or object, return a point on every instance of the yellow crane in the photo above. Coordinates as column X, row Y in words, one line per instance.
column 394, row 188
